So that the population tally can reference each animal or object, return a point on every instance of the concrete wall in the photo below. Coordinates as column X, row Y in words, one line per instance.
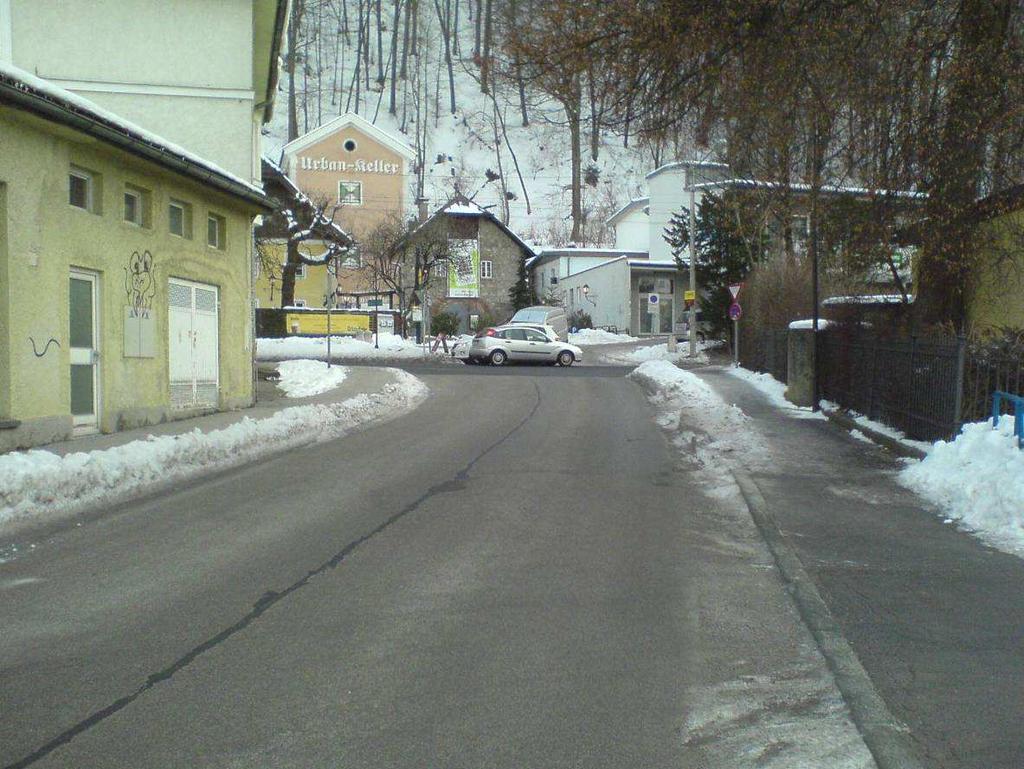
column 633, row 231
column 667, row 197
column 608, row 302
column 46, row 237
column 180, row 68
column 997, row 299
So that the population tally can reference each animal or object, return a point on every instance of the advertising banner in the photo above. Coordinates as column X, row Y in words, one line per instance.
column 464, row 269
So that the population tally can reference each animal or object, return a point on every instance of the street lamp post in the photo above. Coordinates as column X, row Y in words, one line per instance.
column 693, row 264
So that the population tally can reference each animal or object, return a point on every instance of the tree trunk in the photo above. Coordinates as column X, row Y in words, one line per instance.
column 478, row 20
column 958, row 163
column 572, row 112
column 288, row 276
column 403, row 73
column 443, row 18
column 380, row 46
column 485, row 64
column 293, row 54
column 392, row 102
column 595, row 119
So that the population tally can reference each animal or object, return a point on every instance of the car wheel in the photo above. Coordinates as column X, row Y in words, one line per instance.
column 498, row 358
column 565, row 358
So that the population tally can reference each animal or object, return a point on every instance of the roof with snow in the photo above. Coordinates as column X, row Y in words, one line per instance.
column 462, row 206
column 633, row 205
column 349, row 120
column 42, row 98
column 759, row 184
column 686, row 164
column 639, row 264
column 833, row 301
column 545, row 255
column 278, row 187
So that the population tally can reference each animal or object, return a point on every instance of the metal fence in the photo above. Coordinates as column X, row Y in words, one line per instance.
column 765, row 351
column 911, row 384
column 985, row 371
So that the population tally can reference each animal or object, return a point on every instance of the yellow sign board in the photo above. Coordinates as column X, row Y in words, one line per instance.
column 689, row 296
column 316, row 322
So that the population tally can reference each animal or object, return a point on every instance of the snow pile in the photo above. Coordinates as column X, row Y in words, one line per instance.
column 304, row 378
column 774, row 390
column 658, row 352
column 342, row 347
column 878, row 427
column 37, row 482
column 599, row 336
column 977, row 479
column 711, row 432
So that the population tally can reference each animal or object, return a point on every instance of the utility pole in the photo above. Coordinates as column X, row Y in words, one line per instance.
column 693, row 263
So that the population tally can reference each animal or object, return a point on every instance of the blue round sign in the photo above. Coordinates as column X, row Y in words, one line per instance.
column 735, row 311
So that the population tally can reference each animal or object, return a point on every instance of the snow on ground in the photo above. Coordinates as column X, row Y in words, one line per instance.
column 774, row 390
column 38, row 483
column 708, row 431
column 304, row 378
column 599, row 336
column 656, row 352
column 977, row 479
column 878, row 427
column 789, row 718
column 342, row 347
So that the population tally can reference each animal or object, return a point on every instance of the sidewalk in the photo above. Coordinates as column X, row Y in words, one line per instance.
column 270, row 400
column 47, row 488
column 935, row 616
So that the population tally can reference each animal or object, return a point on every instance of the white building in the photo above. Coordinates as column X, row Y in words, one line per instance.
column 632, row 225
column 551, row 265
column 667, row 190
column 200, row 74
column 634, row 296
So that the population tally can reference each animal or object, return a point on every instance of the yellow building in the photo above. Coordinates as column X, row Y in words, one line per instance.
column 996, row 297
column 358, row 175
column 125, row 272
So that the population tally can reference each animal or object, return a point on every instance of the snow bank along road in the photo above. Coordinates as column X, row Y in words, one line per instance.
column 521, row 573
column 43, row 486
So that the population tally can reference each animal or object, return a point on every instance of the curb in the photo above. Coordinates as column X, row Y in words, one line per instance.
column 895, row 446
column 889, row 741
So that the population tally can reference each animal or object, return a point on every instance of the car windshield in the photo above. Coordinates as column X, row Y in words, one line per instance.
column 530, row 316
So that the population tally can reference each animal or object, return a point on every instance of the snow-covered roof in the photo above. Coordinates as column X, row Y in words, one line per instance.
column 648, row 264
column 686, row 164
column 324, row 225
column 460, row 205
column 547, row 254
column 759, row 184
column 348, row 120
column 867, row 299
column 632, row 205
column 808, row 323
column 52, row 102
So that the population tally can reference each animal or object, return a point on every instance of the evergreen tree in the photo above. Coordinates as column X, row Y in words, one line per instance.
column 521, row 294
column 725, row 255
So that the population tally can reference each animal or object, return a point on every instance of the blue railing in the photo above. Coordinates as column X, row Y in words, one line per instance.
column 1018, row 413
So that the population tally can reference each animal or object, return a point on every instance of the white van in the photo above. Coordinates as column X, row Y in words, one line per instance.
column 542, row 315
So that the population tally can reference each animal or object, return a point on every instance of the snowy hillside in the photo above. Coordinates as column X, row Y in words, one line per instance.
column 531, row 172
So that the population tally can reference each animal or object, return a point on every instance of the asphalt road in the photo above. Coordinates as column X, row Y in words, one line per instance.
column 520, row 573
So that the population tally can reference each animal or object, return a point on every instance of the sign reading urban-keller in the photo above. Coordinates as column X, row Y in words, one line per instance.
column 349, row 166
column 464, row 270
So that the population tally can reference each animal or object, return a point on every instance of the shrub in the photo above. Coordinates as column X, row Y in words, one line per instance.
column 444, row 323
column 579, row 319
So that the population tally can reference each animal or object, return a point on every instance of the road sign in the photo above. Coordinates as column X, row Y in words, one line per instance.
column 735, row 311
column 652, row 298
column 734, row 289
column 689, row 296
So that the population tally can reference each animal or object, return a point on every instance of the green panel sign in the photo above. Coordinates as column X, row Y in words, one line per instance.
column 464, row 269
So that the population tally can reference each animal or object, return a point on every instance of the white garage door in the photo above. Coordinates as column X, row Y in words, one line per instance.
column 193, row 349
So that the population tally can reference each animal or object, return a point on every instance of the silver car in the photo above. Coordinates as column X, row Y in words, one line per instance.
column 500, row 345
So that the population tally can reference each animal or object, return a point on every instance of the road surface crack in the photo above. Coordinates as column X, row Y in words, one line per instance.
column 266, row 601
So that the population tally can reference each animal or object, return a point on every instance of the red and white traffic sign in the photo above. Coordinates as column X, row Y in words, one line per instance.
column 734, row 289
column 735, row 311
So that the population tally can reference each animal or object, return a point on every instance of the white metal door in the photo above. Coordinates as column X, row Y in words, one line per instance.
column 193, row 349
column 83, row 346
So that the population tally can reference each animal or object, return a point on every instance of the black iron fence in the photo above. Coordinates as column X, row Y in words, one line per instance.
column 907, row 383
column 766, row 351
column 985, row 371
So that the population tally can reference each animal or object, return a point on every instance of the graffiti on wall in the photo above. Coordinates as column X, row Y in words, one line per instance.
column 139, row 284
column 46, row 347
